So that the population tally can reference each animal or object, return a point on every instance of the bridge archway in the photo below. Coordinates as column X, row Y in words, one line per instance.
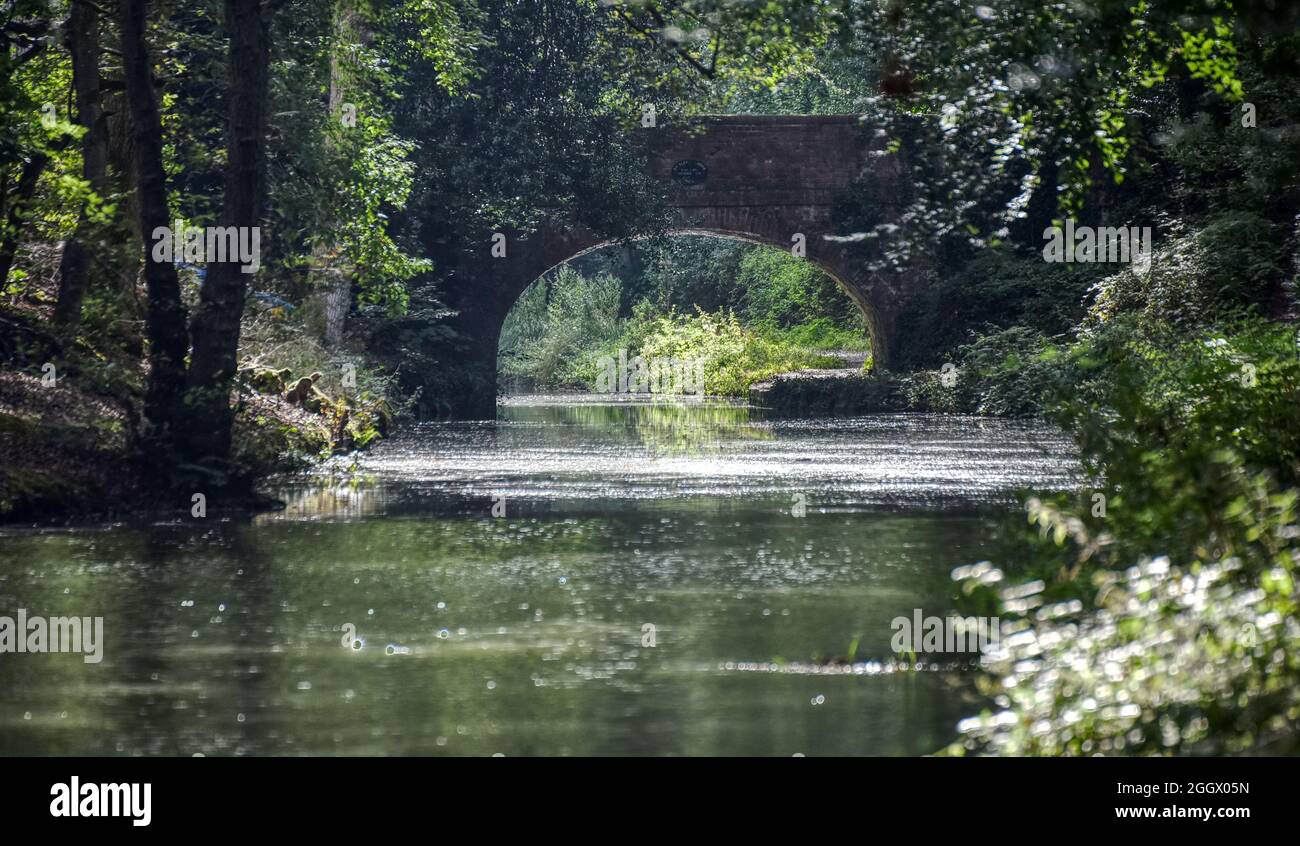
column 771, row 180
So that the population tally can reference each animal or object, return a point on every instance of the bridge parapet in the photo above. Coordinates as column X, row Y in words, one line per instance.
column 756, row 160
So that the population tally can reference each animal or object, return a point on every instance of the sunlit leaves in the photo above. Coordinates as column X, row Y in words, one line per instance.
column 445, row 34
column 1032, row 88
column 757, row 44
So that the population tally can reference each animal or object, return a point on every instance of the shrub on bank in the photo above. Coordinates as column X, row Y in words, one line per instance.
column 733, row 357
column 1176, row 626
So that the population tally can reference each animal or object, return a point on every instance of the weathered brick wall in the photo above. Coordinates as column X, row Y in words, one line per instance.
column 767, row 162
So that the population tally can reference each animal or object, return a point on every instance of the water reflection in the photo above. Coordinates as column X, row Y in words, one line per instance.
column 523, row 634
column 549, row 449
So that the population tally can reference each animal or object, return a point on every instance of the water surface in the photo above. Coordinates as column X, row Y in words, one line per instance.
column 502, row 580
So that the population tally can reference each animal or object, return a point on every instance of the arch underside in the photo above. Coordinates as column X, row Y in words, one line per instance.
column 830, row 262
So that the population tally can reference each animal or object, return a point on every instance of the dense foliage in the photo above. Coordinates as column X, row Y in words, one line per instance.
column 1171, row 623
column 747, row 312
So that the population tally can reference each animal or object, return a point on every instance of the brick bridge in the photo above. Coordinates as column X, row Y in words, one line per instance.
column 762, row 179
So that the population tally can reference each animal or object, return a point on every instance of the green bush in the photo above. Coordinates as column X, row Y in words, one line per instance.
column 819, row 334
column 1009, row 373
column 782, row 291
column 1175, row 629
column 564, row 324
column 551, row 336
column 733, row 357
column 924, row 390
column 996, row 289
column 1196, row 280
column 1171, row 424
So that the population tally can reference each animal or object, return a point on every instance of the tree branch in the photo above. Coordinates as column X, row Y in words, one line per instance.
column 679, row 50
column 93, row 5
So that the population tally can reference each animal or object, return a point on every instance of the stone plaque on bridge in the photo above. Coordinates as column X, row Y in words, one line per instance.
column 690, row 173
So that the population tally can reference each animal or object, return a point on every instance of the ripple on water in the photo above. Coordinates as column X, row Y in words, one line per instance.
column 562, row 448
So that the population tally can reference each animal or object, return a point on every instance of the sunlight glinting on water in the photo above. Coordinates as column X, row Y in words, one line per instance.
column 653, row 452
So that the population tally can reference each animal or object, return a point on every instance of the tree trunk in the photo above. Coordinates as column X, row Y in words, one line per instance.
column 121, row 164
column 338, row 302
column 74, row 267
column 215, row 328
column 27, row 179
column 165, row 315
column 337, row 297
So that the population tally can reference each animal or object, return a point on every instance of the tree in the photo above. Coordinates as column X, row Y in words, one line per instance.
column 165, row 315
column 1011, row 108
column 338, row 292
column 215, row 328
column 83, row 43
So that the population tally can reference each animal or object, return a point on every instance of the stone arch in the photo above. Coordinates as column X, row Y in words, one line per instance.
column 743, row 177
